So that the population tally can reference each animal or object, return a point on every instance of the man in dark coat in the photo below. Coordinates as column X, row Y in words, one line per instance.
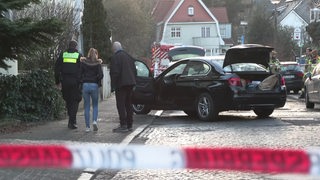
column 67, row 78
column 123, row 79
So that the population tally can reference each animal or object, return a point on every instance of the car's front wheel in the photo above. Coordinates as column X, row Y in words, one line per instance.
column 309, row 104
column 140, row 109
column 206, row 109
column 263, row 112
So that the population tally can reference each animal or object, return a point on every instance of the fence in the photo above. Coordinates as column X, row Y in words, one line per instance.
column 105, row 90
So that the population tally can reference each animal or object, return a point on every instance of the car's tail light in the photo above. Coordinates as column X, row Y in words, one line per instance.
column 300, row 74
column 235, row 81
column 283, row 81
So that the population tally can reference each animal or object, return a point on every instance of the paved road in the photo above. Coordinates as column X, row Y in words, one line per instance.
column 289, row 127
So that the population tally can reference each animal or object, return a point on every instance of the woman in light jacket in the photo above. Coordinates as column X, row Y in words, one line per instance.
column 91, row 76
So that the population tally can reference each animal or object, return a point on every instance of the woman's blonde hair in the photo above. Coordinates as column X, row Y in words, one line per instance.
column 93, row 54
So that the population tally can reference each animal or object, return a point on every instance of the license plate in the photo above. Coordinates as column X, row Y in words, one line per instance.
column 288, row 76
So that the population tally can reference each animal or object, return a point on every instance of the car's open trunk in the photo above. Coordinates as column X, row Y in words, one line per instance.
column 262, row 82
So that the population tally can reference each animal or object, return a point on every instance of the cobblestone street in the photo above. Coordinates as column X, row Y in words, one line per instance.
column 236, row 129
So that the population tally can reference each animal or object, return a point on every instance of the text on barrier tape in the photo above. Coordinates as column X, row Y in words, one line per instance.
column 23, row 156
column 115, row 156
column 255, row 160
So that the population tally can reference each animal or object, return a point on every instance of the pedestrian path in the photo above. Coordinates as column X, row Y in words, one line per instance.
column 57, row 132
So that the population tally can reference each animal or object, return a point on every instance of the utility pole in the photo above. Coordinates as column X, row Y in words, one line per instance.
column 275, row 3
column 78, row 11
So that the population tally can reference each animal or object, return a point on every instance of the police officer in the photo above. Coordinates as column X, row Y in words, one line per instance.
column 311, row 61
column 67, row 78
column 274, row 62
column 308, row 60
column 314, row 58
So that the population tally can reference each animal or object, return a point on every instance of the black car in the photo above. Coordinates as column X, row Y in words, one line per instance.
column 312, row 87
column 293, row 76
column 202, row 87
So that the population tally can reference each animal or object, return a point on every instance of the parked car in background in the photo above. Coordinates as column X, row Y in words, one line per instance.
column 202, row 87
column 293, row 75
column 181, row 52
column 312, row 87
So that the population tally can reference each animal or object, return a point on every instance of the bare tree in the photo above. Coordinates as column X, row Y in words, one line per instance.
column 62, row 10
column 131, row 24
column 316, row 3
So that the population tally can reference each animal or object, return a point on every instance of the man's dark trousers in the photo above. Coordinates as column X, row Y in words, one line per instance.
column 124, row 106
column 72, row 96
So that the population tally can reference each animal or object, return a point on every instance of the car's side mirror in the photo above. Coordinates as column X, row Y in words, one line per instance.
column 308, row 75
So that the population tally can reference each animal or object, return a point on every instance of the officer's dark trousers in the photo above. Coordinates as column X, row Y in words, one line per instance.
column 72, row 96
column 124, row 106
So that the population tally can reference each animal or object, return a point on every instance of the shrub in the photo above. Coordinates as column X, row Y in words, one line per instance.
column 30, row 97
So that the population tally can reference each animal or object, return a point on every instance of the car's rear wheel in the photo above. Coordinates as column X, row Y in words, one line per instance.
column 309, row 104
column 263, row 112
column 141, row 109
column 206, row 109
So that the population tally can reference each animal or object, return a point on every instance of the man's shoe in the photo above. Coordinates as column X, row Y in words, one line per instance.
column 120, row 129
column 95, row 126
column 130, row 129
column 87, row 129
column 72, row 126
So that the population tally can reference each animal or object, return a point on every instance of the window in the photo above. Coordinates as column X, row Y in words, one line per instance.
column 142, row 69
column 208, row 52
column 223, row 31
column 176, row 70
column 190, row 11
column 175, row 32
column 205, row 32
column 197, row 69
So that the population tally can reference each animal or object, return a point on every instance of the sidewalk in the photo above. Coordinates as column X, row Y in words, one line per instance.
column 58, row 132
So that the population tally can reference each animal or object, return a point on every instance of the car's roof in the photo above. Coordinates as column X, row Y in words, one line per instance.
column 213, row 60
column 246, row 46
column 208, row 58
column 214, row 57
column 289, row 62
column 218, row 57
column 186, row 46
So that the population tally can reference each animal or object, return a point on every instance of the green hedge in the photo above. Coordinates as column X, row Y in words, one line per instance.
column 30, row 97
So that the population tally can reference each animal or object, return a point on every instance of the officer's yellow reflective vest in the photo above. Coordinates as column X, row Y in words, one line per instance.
column 312, row 65
column 70, row 57
column 274, row 65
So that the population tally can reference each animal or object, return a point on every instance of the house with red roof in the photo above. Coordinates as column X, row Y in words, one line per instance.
column 187, row 22
column 225, row 26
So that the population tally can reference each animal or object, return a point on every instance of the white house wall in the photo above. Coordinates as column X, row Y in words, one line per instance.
column 190, row 31
column 228, row 30
column 293, row 20
column 13, row 70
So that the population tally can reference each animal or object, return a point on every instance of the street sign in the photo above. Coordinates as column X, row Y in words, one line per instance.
column 297, row 34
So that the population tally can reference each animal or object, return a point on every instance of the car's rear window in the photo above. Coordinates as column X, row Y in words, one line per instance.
column 244, row 67
column 290, row 67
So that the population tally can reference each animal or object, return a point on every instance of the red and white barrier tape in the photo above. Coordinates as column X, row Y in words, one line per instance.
column 114, row 156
